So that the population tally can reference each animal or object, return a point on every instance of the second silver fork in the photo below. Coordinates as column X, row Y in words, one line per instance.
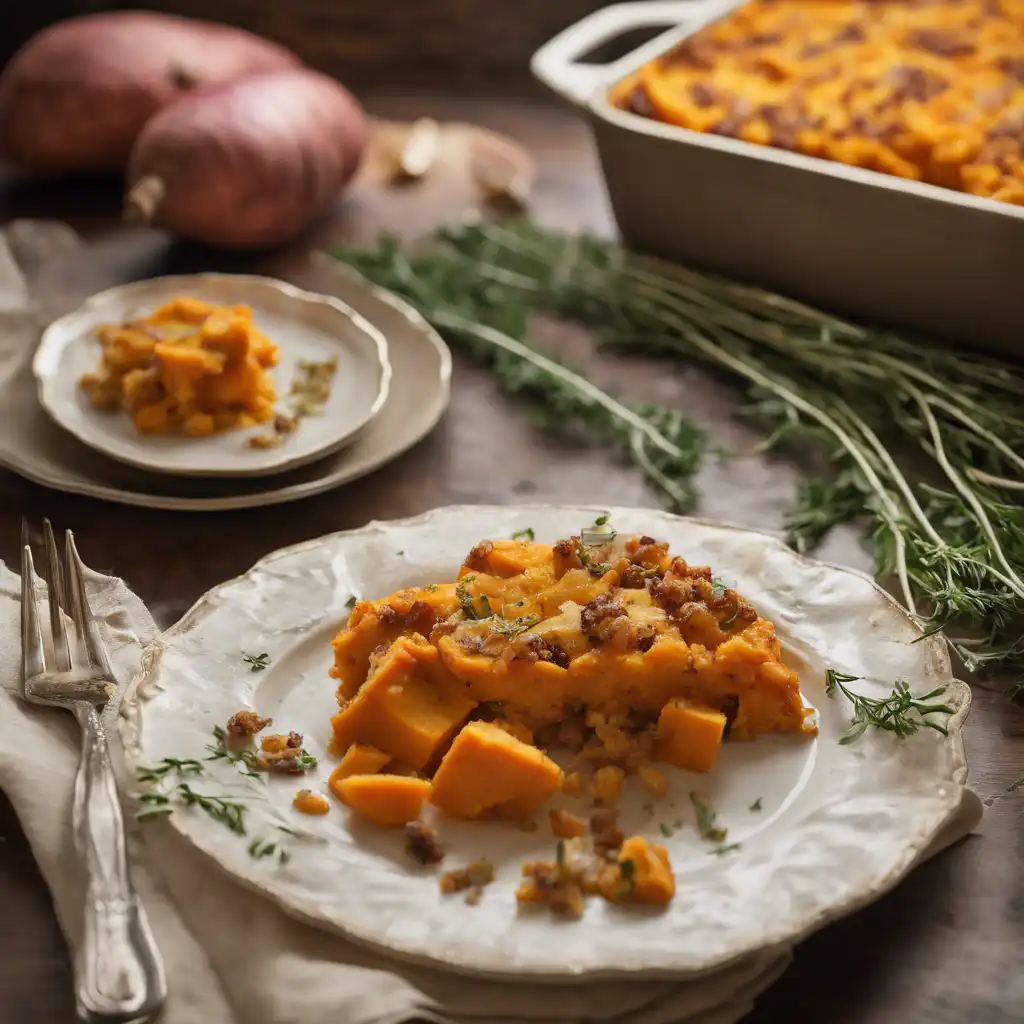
column 119, row 975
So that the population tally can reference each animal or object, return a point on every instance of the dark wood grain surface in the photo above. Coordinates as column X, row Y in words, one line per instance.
column 460, row 43
column 945, row 947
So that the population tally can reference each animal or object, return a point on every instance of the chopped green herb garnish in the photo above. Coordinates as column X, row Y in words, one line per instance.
column 246, row 756
column 230, row 813
column 666, row 830
column 1015, row 785
column 628, row 871
column 351, row 602
column 256, row 662
column 588, row 563
column 170, row 766
column 305, row 760
column 469, row 603
column 756, row 805
column 719, row 850
column 706, row 820
column 601, row 520
column 560, row 852
column 260, row 848
column 900, row 713
column 718, row 587
column 513, row 627
column 431, row 589
column 524, row 534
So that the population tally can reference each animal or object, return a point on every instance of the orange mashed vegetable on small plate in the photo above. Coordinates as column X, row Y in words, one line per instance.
column 190, row 367
column 614, row 651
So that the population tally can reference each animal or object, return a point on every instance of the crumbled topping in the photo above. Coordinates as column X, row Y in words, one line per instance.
column 422, row 843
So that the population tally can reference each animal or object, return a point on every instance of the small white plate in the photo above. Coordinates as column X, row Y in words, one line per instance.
column 823, row 827
column 303, row 325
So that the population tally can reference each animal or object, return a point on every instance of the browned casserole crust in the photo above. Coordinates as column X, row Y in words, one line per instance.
column 930, row 91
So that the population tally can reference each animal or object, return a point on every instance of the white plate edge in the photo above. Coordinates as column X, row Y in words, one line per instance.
column 283, row 463
column 129, row 724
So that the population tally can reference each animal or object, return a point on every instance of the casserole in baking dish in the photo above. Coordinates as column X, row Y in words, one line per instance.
column 862, row 156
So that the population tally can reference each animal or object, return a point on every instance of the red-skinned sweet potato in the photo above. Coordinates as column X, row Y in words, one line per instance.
column 250, row 163
column 75, row 97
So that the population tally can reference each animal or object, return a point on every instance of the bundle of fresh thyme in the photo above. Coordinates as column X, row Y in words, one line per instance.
column 925, row 442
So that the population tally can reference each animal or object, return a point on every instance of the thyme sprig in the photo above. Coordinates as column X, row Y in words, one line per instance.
column 951, row 533
column 246, row 756
column 707, row 823
column 900, row 713
column 472, row 607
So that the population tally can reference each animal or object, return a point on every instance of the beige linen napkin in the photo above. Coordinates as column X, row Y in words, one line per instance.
column 232, row 956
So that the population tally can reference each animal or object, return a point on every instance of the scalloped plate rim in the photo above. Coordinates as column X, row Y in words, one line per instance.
column 133, row 701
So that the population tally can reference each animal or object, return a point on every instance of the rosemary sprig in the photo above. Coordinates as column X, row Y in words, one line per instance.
column 875, row 402
column 706, row 823
column 900, row 713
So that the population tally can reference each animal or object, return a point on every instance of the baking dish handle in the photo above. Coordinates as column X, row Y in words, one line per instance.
column 557, row 65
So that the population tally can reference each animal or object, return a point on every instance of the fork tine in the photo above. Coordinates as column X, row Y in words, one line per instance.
column 89, row 639
column 57, row 600
column 33, row 653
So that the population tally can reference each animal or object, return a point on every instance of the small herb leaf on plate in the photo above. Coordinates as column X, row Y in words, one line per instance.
column 256, row 662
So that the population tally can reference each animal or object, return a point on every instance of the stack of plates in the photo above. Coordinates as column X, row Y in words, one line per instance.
column 390, row 389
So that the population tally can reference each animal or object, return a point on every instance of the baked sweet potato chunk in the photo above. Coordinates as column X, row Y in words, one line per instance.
column 489, row 769
column 408, row 708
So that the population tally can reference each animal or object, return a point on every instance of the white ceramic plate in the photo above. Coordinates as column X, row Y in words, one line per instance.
column 838, row 824
column 304, row 326
column 32, row 445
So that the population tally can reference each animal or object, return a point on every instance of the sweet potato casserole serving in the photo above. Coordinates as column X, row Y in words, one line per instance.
column 601, row 646
column 930, row 91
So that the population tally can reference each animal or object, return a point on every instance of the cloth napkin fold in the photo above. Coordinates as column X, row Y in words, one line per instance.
column 233, row 956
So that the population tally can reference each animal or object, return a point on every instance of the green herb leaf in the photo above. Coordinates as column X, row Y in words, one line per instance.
column 666, row 830
column 718, row 851
column 756, row 805
column 588, row 563
column 245, row 757
column 901, row 713
column 510, row 628
column 1015, row 785
column 169, row 766
column 524, row 534
column 351, row 602
column 305, row 760
column 256, row 662
column 601, row 520
column 472, row 608
column 628, row 871
column 706, row 823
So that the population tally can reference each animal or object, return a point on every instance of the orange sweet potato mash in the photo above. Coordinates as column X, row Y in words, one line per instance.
column 616, row 651
column 189, row 367
column 929, row 91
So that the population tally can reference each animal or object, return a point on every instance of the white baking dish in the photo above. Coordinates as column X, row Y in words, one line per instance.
column 876, row 247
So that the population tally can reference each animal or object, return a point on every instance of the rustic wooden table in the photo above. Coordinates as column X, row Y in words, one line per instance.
column 944, row 947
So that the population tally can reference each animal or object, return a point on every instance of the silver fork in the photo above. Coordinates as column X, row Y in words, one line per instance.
column 119, row 976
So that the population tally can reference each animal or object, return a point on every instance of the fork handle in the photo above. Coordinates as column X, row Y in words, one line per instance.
column 118, row 971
